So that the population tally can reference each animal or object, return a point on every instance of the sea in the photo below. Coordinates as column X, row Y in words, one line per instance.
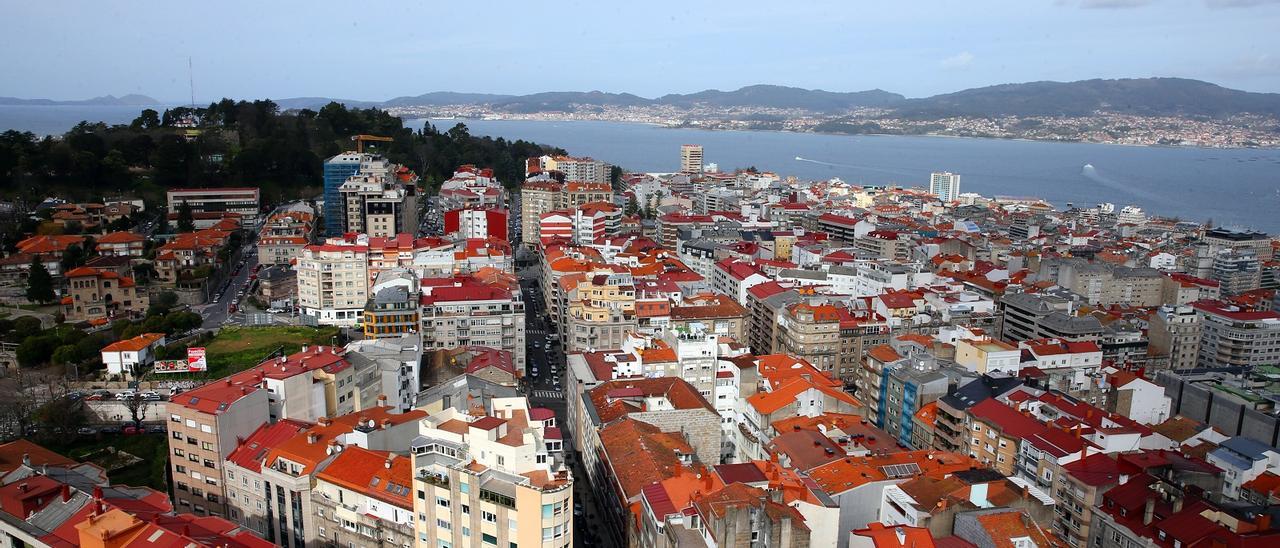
column 1230, row 187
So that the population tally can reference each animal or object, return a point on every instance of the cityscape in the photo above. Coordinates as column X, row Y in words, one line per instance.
column 656, row 275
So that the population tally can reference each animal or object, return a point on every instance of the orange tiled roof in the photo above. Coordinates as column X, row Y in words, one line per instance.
column 135, row 344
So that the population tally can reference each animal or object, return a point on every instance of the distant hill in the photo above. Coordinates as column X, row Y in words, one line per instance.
column 447, row 98
column 564, row 100
column 106, row 100
column 1145, row 96
column 785, row 97
column 314, row 103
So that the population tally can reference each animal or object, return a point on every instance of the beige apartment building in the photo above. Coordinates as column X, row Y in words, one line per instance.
column 208, row 423
column 601, row 311
column 333, row 283
column 536, row 198
column 489, row 470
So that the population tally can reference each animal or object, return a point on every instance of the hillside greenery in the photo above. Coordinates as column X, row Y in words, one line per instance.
column 235, row 143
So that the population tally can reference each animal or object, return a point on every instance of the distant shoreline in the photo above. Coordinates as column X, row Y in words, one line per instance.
column 841, row 134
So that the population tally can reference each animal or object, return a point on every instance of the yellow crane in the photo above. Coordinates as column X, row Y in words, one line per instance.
column 360, row 139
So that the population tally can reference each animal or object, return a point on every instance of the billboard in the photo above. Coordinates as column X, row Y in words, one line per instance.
column 170, row 366
column 195, row 359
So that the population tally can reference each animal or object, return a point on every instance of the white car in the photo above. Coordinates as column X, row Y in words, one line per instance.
column 125, row 396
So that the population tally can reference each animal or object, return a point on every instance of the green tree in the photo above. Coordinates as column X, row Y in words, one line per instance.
column 39, row 283
column 65, row 355
column 73, row 257
column 186, row 219
column 615, row 175
column 36, row 350
column 148, row 119
column 26, row 326
column 633, row 206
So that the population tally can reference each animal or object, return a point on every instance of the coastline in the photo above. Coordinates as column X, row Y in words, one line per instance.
column 840, row 134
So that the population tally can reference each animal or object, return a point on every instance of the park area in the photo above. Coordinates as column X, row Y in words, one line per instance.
column 235, row 349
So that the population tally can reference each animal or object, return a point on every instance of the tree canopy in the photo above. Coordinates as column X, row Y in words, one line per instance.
column 237, row 143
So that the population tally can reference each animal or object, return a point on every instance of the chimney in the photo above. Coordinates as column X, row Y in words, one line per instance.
column 66, row 492
column 1177, row 505
column 1149, row 511
column 382, row 400
column 228, row 381
column 22, row 488
column 304, row 349
column 386, row 423
column 388, row 461
column 26, row 459
column 1263, row 523
column 312, row 437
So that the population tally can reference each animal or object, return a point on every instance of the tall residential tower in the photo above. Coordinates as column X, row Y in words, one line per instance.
column 945, row 185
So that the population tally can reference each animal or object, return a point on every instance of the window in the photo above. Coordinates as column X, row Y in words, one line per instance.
column 442, row 524
column 442, row 502
column 466, row 509
column 489, row 539
column 489, row 517
column 466, row 531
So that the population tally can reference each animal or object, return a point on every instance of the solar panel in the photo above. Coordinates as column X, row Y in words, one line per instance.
column 901, row 470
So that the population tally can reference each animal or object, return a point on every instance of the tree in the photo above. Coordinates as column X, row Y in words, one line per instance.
column 633, row 206
column 137, row 407
column 74, row 256
column 615, row 175
column 148, row 119
column 186, row 219
column 39, row 282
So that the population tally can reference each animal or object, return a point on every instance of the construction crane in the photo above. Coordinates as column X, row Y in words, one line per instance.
column 360, row 139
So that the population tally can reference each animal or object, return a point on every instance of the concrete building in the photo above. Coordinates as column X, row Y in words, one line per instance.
column 489, row 470
column 466, row 311
column 243, row 203
column 691, row 158
column 1233, row 337
column 96, row 295
column 333, row 283
column 1034, row 316
column 380, row 199
column 128, row 357
column 945, row 185
column 336, row 171
column 1236, row 271
column 1174, row 331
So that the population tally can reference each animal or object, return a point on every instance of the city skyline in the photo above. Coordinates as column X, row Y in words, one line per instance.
column 919, row 50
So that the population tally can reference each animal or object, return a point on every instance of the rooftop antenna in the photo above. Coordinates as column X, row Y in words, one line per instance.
column 191, row 81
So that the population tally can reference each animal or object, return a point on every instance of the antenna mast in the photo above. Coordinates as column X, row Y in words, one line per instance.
column 191, row 81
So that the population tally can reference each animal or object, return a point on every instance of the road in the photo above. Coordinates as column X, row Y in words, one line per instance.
column 216, row 313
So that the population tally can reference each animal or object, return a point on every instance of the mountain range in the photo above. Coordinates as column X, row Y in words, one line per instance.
column 1137, row 96
column 130, row 100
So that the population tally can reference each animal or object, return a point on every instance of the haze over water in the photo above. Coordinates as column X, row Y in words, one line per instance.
column 1230, row 186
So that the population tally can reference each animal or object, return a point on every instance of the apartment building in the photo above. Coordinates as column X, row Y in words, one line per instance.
column 1105, row 284
column 392, row 309
column 601, row 311
column 467, row 311
column 333, row 283
column 243, row 203
column 379, row 200
column 283, row 235
column 716, row 314
column 1174, row 331
column 365, row 497
column 206, row 424
column 1034, row 316
column 691, row 158
column 537, row 197
column 488, row 470
column 586, row 170
column 471, row 187
column 97, row 295
column 1230, row 336
column 1078, row 490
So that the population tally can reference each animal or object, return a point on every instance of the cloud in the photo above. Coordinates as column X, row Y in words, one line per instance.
column 1225, row 4
column 959, row 60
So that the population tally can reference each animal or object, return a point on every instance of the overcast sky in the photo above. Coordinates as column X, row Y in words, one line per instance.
column 383, row 49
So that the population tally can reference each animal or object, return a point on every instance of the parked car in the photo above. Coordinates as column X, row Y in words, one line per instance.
column 110, row 430
column 87, row 431
column 131, row 430
column 125, row 395
column 152, row 396
column 157, row 429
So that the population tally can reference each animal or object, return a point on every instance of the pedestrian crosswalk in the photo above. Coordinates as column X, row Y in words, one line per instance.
column 548, row 394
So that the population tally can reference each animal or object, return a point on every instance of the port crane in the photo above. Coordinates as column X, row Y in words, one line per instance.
column 360, row 140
